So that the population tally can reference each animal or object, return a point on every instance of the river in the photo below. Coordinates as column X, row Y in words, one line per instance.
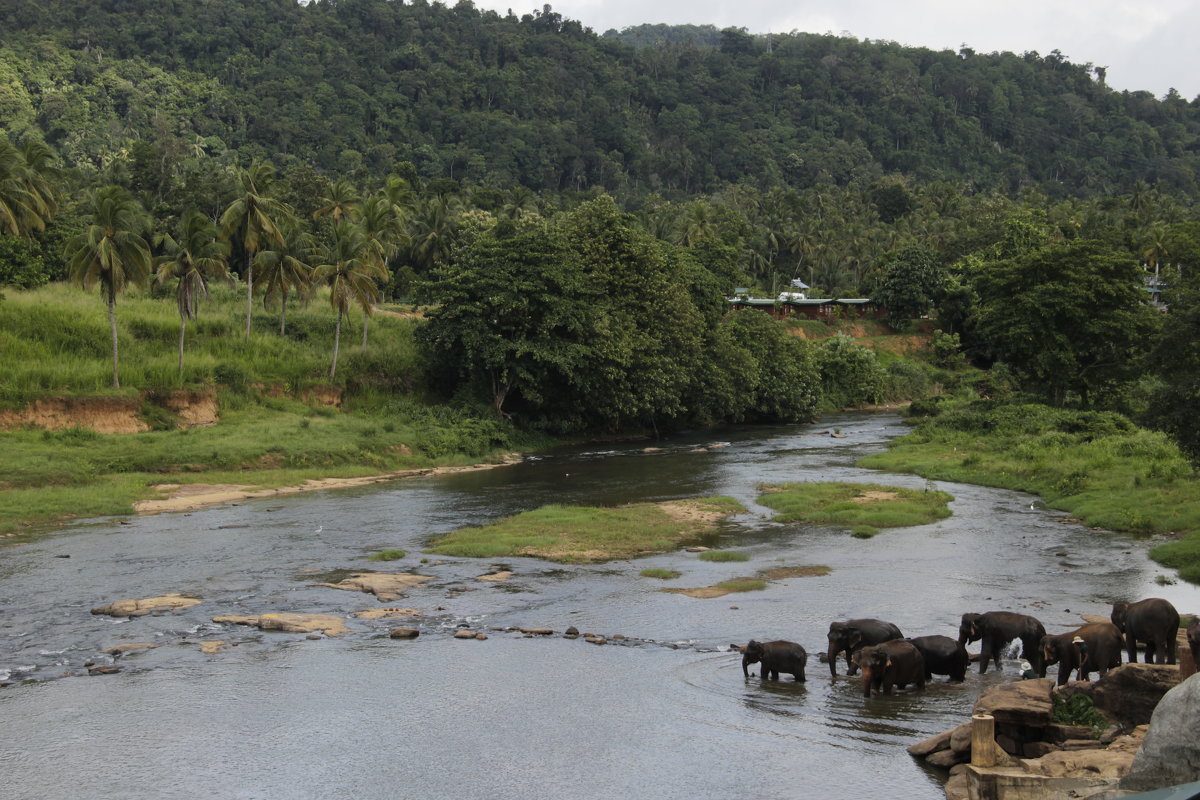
column 665, row 713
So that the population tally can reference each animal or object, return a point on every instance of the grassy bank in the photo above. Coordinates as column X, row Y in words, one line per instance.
column 1099, row 467
column 56, row 341
column 582, row 534
column 864, row 508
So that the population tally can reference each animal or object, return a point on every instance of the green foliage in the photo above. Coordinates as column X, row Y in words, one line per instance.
column 1079, row 710
column 850, row 375
column 721, row 556
column 1069, row 317
column 743, row 585
column 945, row 349
column 386, row 555
column 911, row 284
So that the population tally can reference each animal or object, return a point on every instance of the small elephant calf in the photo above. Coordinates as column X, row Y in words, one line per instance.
column 776, row 657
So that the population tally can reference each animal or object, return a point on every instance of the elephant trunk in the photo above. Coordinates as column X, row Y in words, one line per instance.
column 867, row 674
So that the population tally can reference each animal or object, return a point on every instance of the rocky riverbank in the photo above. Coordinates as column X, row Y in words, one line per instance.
column 1016, row 747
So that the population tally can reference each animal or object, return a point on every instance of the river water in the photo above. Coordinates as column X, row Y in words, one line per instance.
column 665, row 713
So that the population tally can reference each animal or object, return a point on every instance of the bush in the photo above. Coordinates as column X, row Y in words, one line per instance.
column 386, row 555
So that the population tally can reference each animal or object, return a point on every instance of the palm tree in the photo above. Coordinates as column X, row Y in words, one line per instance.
column 111, row 251
column 385, row 235
column 254, row 218
column 432, row 228
column 194, row 257
column 350, row 269
column 286, row 267
column 28, row 198
column 340, row 200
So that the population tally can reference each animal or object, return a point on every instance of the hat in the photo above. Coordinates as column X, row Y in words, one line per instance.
column 1077, row 640
column 1026, row 666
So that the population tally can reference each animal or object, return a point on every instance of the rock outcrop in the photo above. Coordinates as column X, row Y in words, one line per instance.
column 1130, row 692
column 148, row 605
column 1171, row 752
column 292, row 623
column 385, row 586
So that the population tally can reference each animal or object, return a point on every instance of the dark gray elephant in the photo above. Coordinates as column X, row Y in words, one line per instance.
column 1103, row 641
column 1153, row 621
column 895, row 663
column 852, row 635
column 776, row 657
column 943, row 656
column 995, row 629
column 1193, row 638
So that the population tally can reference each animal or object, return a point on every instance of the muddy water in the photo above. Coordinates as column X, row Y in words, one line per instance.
column 666, row 713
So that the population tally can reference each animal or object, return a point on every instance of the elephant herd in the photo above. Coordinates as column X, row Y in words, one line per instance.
column 888, row 659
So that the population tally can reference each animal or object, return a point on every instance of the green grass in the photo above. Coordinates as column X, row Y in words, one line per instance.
column 580, row 534
column 723, row 555
column 864, row 508
column 386, row 555
column 1096, row 466
column 661, row 574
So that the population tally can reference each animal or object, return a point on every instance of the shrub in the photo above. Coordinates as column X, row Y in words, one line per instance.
column 386, row 555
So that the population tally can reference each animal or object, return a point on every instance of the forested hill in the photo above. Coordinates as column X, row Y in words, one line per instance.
column 353, row 85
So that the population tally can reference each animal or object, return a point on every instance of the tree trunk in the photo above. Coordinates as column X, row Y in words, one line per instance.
column 112, row 324
column 182, row 329
column 283, row 313
column 366, row 323
column 249, row 292
column 337, row 338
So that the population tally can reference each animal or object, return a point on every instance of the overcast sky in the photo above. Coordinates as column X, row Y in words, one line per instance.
column 1147, row 45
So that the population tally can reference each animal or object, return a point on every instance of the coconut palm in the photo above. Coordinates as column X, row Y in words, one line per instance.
column 286, row 267
column 385, row 235
column 432, row 228
column 350, row 268
column 195, row 256
column 111, row 251
column 339, row 202
column 28, row 197
column 254, row 218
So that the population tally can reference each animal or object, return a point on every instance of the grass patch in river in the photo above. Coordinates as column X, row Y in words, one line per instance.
column 661, row 574
column 865, row 508
column 723, row 555
column 582, row 534
column 386, row 555
column 721, row 589
column 782, row 573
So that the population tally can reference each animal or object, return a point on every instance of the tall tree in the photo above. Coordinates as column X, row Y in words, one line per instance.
column 385, row 235
column 193, row 257
column 253, row 218
column 351, row 271
column 286, row 267
column 111, row 251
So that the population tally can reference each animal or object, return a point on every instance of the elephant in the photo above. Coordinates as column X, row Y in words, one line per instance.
column 894, row 663
column 997, row 629
column 1103, row 642
column 943, row 656
column 776, row 657
column 854, row 634
column 1153, row 621
column 1193, row 639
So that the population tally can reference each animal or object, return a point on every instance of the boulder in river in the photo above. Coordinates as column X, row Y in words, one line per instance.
column 464, row 633
column 387, row 613
column 404, row 633
column 1170, row 753
column 148, row 605
column 292, row 623
column 386, row 586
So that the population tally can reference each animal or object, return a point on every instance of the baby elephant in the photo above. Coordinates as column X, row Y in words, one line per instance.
column 776, row 657
column 895, row 663
column 1193, row 639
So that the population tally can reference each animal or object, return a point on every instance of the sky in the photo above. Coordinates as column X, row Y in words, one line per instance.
column 1147, row 45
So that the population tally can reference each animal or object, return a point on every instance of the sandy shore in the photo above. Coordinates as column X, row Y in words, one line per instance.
column 190, row 496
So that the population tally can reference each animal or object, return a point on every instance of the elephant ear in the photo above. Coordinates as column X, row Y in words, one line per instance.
column 854, row 637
